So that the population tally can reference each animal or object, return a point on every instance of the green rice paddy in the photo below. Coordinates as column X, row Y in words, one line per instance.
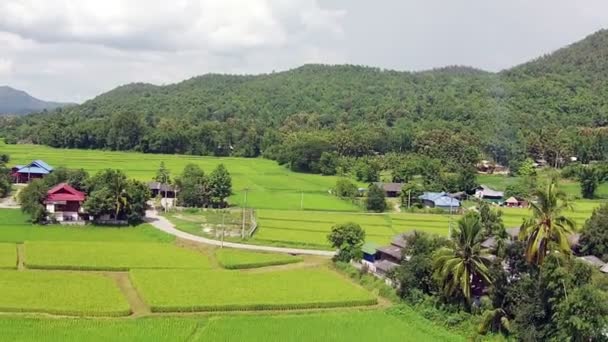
column 110, row 256
column 240, row 259
column 8, row 255
column 62, row 293
column 216, row 290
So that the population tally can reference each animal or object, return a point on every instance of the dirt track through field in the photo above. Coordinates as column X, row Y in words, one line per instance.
column 138, row 306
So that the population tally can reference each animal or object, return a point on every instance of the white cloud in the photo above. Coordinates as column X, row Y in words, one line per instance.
column 216, row 25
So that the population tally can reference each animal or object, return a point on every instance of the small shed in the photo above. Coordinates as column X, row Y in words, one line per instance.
column 161, row 189
column 370, row 251
column 440, row 200
column 390, row 253
column 486, row 193
column 34, row 170
column 390, row 189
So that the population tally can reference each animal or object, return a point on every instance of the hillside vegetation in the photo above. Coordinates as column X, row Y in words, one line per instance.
column 552, row 107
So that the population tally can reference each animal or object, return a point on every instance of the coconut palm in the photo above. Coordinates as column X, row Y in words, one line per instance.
column 465, row 262
column 547, row 229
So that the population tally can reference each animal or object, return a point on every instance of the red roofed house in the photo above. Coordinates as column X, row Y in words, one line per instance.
column 64, row 203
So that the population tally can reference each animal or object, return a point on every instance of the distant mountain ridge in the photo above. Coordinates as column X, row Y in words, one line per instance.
column 18, row 102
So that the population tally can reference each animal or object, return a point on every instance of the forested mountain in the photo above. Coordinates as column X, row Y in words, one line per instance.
column 553, row 107
column 13, row 101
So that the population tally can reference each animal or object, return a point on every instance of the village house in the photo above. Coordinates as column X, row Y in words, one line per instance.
column 486, row 166
column 162, row 190
column 64, row 204
column 34, row 170
column 440, row 200
column 515, row 202
column 381, row 260
column 486, row 193
column 390, row 189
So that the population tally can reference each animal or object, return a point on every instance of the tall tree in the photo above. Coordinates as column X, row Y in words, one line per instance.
column 163, row 175
column 589, row 178
column 464, row 264
column 594, row 235
column 375, row 200
column 220, row 185
column 194, row 187
column 547, row 228
column 31, row 199
column 348, row 239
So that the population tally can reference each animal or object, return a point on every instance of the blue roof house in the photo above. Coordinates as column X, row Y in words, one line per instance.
column 440, row 200
column 33, row 170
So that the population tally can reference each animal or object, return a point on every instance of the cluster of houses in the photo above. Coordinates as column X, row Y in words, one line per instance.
column 452, row 202
column 380, row 260
column 63, row 203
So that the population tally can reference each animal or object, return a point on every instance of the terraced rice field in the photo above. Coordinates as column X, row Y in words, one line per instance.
column 8, row 255
column 240, row 259
column 217, row 290
column 311, row 228
column 64, row 293
column 110, row 256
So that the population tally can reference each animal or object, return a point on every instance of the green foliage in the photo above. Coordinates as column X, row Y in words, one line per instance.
column 307, row 288
column 589, row 178
column 548, row 228
column 410, row 193
column 239, row 259
column 31, row 199
column 345, row 188
column 375, row 200
column 526, row 168
column 583, row 315
column 328, row 163
column 415, row 276
column 61, row 293
column 367, row 170
column 163, row 175
column 463, row 265
column 348, row 239
column 77, row 178
column 594, row 235
column 220, row 186
column 5, row 176
column 110, row 256
column 302, row 152
column 193, row 187
column 524, row 187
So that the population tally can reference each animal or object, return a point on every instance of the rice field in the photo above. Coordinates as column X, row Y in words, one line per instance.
column 218, row 290
column 376, row 325
column 268, row 184
column 15, row 228
column 8, row 255
column 240, row 259
column 63, row 293
column 307, row 228
column 110, row 256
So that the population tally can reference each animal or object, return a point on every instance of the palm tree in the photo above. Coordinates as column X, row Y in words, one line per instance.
column 465, row 262
column 547, row 226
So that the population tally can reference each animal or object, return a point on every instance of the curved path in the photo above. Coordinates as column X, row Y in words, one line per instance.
column 161, row 223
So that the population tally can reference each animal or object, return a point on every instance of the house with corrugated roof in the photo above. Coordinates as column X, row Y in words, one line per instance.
column 441, row 200
column 34, row 170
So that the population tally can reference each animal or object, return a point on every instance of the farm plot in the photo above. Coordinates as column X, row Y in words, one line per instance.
column 238, row 259
column 311, row 228
column 218, row 290
column 333, row 326
column 8, row 255
column 64, row 293
column 102, row 330
column 110, row 256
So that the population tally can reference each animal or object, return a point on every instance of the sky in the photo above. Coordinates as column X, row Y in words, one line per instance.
column 74, row 50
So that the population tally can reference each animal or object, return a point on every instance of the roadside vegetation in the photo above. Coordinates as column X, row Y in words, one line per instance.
column 240, row 259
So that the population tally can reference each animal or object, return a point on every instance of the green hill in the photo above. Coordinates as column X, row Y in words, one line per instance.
column 537, row 109
column 13, row 101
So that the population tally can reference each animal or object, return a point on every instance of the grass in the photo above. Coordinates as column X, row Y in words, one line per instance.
column 218, row 290
column 238, row 259
column 265, row 180
column 15, row 228
column 376, row 325
column 110, row 256
column 8, row 255
column 64, row 293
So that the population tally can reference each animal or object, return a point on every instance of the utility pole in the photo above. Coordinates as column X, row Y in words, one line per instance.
column 165, row 186
column 409, row 198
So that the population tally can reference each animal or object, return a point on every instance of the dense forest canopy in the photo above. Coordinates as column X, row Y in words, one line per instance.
column 553, row 108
